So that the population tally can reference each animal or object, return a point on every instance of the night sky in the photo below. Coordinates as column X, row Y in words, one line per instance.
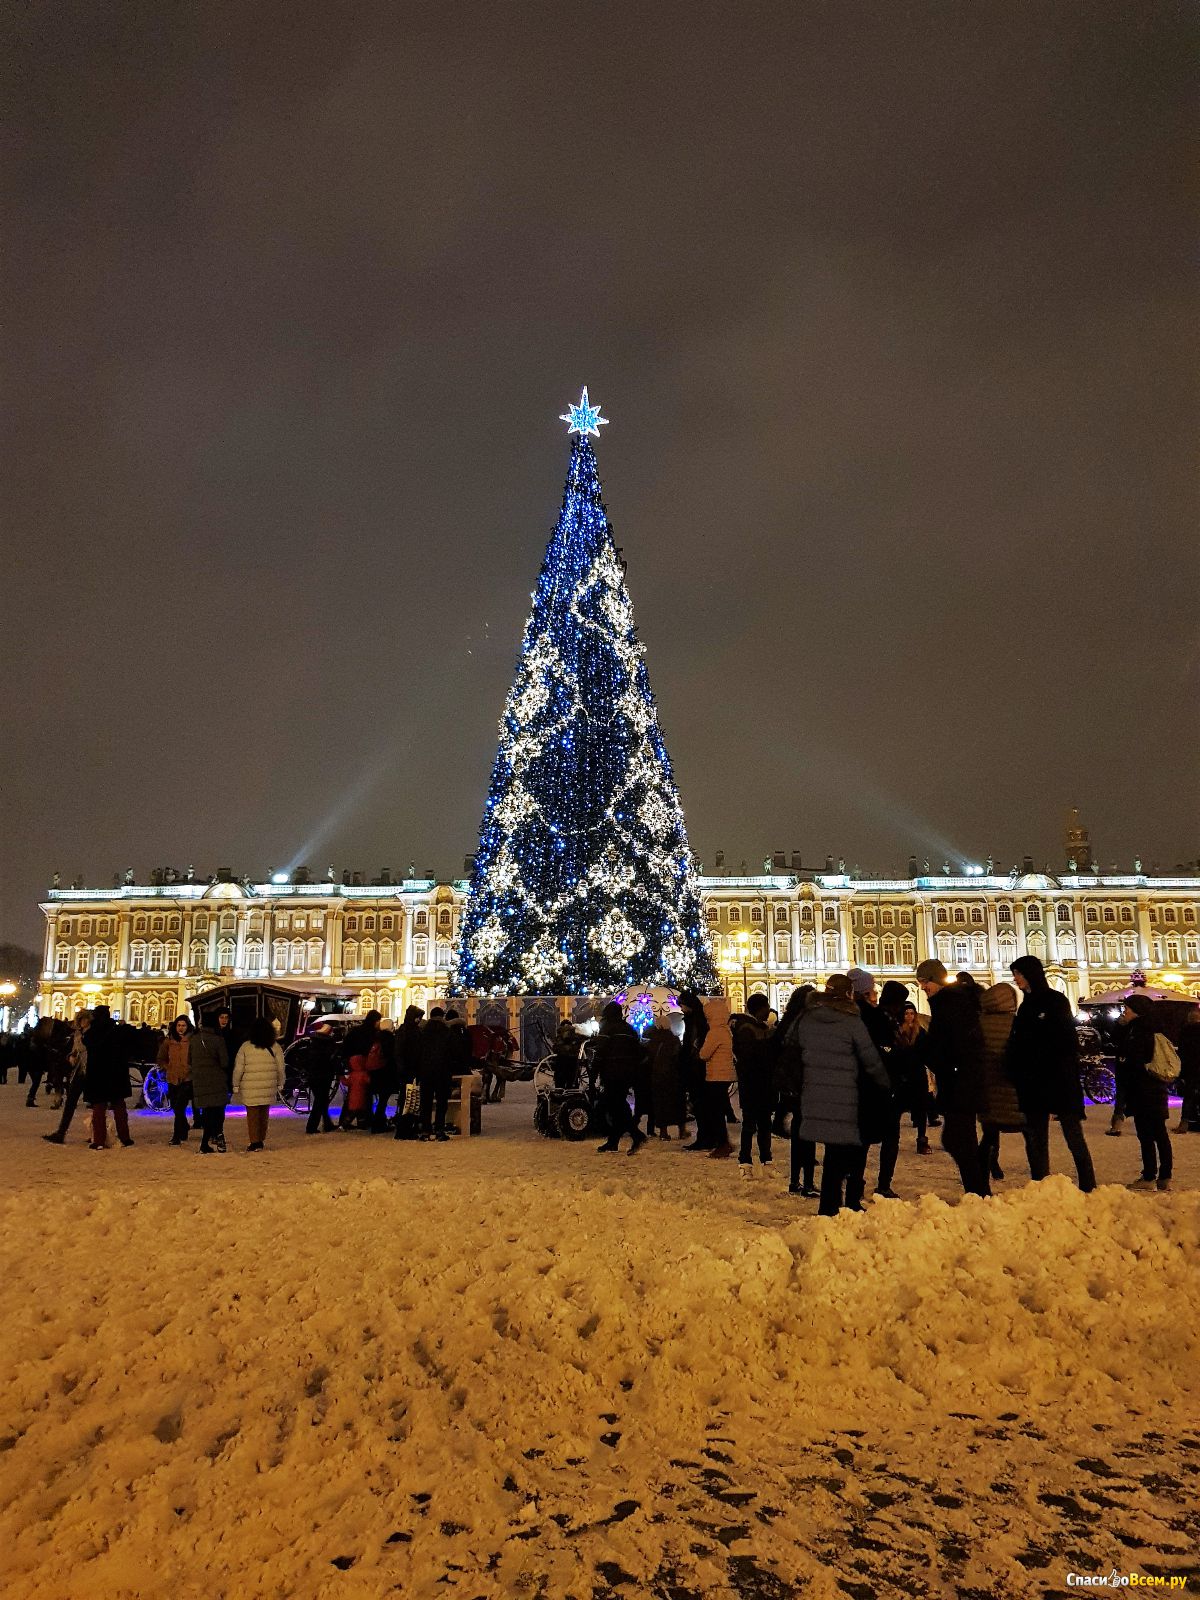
column 892, row 308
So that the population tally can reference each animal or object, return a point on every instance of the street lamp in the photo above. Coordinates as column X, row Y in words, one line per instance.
column 8, row 991
column 743, row 944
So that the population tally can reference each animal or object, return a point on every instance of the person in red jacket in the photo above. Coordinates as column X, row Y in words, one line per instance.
column 360, row 1042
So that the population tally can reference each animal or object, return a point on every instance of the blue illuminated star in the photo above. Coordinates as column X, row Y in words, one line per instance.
column 584, row 418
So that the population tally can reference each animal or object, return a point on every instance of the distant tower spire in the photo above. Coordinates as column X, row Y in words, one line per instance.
column 1078, row 843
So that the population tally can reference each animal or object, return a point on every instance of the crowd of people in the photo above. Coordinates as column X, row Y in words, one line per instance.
column 207, row 1068
column 843, row 1066
column 837, row 1073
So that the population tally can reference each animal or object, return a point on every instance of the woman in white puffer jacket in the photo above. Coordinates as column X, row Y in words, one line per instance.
column 258, row 1079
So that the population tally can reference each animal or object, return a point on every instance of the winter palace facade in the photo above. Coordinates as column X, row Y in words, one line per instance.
column 145, row 948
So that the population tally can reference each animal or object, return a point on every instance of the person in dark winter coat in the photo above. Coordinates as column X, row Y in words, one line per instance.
column 211, row 1076
column 174, row 1061
column 835, row 1050
column 691, row 1068
column 76, row 1075
column 384, row 1078
column 436, row 1070
column 232, row 1040
column 39, row 1056
column 906, row 1061
column 408, row 1071
column 881, row 1123
column 618, row 1058
column 667, row 1104
column 565, row 1056
column 1042, row 1059
column 756, row 1094
column 319, row 1064
column 106, row 1084
column 1189, row 1073
column 1147, row 1096
column 956, row 1060
column 786, row 1076
column 1001, row 1109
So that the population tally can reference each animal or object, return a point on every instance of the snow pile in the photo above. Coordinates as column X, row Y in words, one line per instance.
column 449, row 1385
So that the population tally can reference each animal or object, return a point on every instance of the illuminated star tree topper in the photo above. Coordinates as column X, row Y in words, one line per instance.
column 584, row 882
column 584, row 418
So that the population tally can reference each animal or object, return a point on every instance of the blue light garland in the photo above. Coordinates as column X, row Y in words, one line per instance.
column 584, row 881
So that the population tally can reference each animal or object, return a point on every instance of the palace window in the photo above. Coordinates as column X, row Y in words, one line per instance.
column 806, row 914
column 1033, row 912
column 351, row 924
column 299, row 924
column 870, row 952
column 781, row 913
column 226, row 953
column 831, row 912
column 960, row 914
column 386, row 924
column 62, row 963
column 158, row 925
column 137, row 956
column 444, row 917
column 1004, row 912
column 889, row 919
column 228, row 921
column 316, row 952
column 154, row 961
column 712, row 914
column 1191, row 947
column 1189, row 914
column 962, row 952
column 85, row 927
column 908, row 951
column 83, row 957
column 422, row 919
column 781, row 949
column 1112, row 949
column 945, row 951
column 139, row 924
column 831, row 949
column 173, row 954
column 367, row 955
column 1126, row 913
column 420, row 951
column 889, row 952
column 1007, row 945
column 735, row 913
column 201, row 922
column 756, row 913
column 1110, row 913
column 350, row 955
column 977, row 915
column 254, row 955
column 298, row 955
column 1173, row 950
column 387, row 955
column 369, row 924
column 198, row 957
column 1063, row 911
column 443, row 953
column 979, row 949
column 1129, row 947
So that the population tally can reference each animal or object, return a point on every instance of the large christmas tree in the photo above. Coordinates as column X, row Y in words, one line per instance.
column 583, row 882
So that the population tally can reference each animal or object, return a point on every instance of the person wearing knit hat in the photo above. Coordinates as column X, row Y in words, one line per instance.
column 881, row 1120
column 1145, row 1095
column 837, row 1056
column 955, row 1045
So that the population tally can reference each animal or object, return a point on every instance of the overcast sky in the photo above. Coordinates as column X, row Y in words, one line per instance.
column 892, row 308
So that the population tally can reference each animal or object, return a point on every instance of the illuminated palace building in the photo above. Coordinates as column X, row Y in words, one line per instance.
column 145, row 948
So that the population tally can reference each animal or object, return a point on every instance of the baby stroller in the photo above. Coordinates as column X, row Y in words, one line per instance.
column 565, row 1111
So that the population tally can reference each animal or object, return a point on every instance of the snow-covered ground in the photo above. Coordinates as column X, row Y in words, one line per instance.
column 508, row 1366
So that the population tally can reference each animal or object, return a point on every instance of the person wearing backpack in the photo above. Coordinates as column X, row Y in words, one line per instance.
column 1042, row 1059
column 1146, row 1091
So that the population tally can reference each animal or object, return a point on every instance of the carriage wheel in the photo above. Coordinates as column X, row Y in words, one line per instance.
column 575, row 1119
column 156, row 1091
